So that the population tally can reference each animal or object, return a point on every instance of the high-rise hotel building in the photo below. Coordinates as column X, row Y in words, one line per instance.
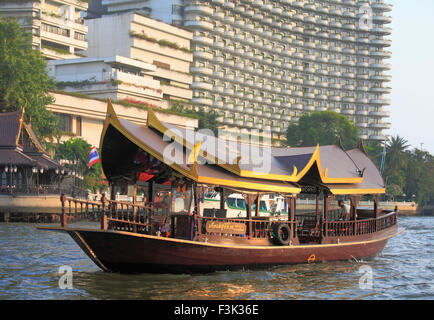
column 263, row 63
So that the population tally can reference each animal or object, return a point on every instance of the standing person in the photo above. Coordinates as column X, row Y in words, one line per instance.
column 345, row 210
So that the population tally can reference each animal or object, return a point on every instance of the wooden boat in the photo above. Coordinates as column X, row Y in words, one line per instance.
column 159, row 236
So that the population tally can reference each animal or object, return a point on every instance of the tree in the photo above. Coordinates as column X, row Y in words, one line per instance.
column 24, row 81
column 396, row 160
column 324, row 128
column 207, row 120
column 78, row 149
column 419, row 177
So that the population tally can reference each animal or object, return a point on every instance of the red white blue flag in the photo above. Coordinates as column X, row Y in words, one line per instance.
column 93, row 157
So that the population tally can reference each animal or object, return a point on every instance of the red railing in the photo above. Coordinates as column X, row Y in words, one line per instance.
column 114, row 215
column 360, row 227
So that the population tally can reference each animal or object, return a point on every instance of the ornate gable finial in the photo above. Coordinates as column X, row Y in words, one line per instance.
column 339, row 143
column 361, row 146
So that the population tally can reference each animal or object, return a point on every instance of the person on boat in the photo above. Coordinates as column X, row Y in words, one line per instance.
column 345, row 210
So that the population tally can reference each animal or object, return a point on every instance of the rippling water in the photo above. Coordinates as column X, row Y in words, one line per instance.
column 30, row 261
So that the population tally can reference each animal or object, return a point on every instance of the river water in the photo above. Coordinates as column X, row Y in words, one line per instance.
column 30, row 261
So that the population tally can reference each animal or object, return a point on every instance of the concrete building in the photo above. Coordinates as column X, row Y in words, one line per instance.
column 116, row 77
column 84, row 117
column 264, row 63
column 135, row 36
column 57, row 26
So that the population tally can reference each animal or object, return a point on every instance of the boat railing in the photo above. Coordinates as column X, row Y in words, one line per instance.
column 138, row 218
column 113, row 214
column 360, row 227
column 127, row 216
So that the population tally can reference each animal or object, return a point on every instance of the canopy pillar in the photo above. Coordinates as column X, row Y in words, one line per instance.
column 249, row 198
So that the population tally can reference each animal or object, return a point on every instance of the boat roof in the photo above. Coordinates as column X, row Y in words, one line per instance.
column 212, row 160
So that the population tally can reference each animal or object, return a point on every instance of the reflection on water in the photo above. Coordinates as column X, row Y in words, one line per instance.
column 30, row 260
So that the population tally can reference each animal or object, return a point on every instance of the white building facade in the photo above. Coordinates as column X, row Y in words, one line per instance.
column 263, row 64
column 136, row 36
column 115, row 77
column 57, row 26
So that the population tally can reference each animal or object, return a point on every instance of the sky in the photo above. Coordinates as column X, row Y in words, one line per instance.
column 412, row 105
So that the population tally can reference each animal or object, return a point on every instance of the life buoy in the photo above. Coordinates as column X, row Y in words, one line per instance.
column 282, row 234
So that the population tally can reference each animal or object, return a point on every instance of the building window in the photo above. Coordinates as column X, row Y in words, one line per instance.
column 55, row 30
column 78, row 126
column 65, row 124
column 79, row 36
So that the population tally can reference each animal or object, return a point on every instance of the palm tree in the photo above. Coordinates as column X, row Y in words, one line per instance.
column 396, row 158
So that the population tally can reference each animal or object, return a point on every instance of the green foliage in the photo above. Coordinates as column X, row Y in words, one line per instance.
column 409, row 174
column 207, row 120
column 24, row 81
column 323, row 128
column 78, row 149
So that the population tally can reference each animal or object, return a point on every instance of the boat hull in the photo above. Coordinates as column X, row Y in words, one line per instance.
column 126, row 252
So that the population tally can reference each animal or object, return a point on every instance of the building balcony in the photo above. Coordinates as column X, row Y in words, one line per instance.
column 201, row 70
column 349, row 75
column 218, row 74
column 380, row 101
column 202, row 101
column 362, row 52
column 377, row 137
column 380, row 78
column 361, row 124
column 335, row 98
column 321, row 97
column 203, row 55
column 380, row 125
column 218, row 16
column 380, row 90
column 202, row 85
column 381, row 6
column 200, row 25
column 218, row 45
column 380, row 113
column 228, row 92
column 381, row 66
column 362, row 101
column 228, row 106
column 348, row 111
column 380, row 42
column 216, row 89
column 381, row 31
column 228, row 121
column 203, row 40
column 381, row 54
column 228, row 5
column 202, row 10
column 229, row 77
column 362, row 76
column 382, row 19
column 361, row 113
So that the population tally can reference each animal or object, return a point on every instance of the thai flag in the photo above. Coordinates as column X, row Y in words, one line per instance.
column 93, row 157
